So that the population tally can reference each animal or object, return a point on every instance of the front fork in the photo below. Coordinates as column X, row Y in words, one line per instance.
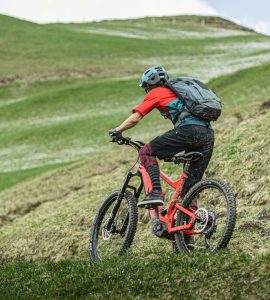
column 136, row 192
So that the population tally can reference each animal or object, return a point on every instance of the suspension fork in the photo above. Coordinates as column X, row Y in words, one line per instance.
column 120, row 197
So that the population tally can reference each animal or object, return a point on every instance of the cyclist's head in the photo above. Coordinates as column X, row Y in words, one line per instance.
column 153, row 77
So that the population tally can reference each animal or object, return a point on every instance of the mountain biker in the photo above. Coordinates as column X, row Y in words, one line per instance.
column 190, row 133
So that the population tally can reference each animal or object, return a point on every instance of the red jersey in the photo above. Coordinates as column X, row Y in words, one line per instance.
column 159, row 98
column 168, row 105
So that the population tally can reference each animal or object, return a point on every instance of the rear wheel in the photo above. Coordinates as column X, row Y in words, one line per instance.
column 215, row 217
column 115, row 239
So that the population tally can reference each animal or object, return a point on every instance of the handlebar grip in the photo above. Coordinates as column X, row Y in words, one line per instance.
column 121, row 140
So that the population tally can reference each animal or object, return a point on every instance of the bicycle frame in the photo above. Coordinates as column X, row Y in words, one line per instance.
column 173, row 207
column 169, row 218
column 174, row 204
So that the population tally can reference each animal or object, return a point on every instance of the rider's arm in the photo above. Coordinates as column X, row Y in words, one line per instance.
column 130, row 122
column 139, row 112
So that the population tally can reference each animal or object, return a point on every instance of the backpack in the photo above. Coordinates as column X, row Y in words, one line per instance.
column 198, row 99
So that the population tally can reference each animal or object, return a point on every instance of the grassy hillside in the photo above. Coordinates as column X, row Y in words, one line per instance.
column 33, row 52
column 62, row 87
column 52, row 213
column 60, row 82
column 182, row 20
column 175, row 27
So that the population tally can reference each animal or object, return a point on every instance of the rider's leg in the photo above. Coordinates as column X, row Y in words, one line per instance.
column 188, row 138
column 197, row 168
column 149, row 161
column 195, row 174
column 162, row 146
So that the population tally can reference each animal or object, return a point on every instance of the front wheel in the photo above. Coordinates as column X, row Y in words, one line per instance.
column 215, row 217
column 114, row 227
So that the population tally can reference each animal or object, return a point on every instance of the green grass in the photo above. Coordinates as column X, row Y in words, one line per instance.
column 50, row 115
column 48, row 218
column 61, row 90
column 33, row 52
column 243, row 90
column 56, row 122
column 9, row 179
column 216, row 276
column 182, row 20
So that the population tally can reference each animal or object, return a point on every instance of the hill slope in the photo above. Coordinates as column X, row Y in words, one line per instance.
column 55, row 211
column 169, row 28
column 33, row 52
column 62, row 87
column 47, row 123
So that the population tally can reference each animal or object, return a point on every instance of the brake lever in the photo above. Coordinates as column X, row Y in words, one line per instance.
column 120, row 142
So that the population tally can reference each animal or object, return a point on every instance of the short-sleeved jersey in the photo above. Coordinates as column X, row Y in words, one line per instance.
column 168, row 105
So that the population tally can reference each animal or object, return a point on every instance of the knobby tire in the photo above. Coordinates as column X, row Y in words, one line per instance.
column 129, row 232
column 225, row 189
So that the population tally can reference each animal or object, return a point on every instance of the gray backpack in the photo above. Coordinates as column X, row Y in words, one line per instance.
column 198, row 99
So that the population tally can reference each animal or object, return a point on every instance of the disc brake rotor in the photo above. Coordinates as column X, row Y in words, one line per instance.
column 211, row 225
column 202, row 217
column 106, row 234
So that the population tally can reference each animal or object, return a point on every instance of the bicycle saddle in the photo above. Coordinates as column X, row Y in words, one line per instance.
column 184, row 157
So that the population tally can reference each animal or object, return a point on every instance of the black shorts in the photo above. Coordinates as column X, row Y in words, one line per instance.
column 187, row 138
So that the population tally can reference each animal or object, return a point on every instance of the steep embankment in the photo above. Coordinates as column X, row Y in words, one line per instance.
column 50, row 216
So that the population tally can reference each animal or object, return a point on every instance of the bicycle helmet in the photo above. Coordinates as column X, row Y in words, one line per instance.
column 154, row 76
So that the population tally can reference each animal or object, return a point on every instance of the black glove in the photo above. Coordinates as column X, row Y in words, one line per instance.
column 115, row 135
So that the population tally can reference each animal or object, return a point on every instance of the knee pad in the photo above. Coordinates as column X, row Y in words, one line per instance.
column 147, row 156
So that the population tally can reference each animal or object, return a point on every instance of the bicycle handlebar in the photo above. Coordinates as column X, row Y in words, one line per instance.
column 128, row 141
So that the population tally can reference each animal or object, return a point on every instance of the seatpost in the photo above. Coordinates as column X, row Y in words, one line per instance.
column 186, row 166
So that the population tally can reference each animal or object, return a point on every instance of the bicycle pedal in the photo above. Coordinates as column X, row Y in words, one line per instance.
column 147, row 205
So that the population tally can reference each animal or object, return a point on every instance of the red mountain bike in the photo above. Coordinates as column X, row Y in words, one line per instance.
column 209, row 227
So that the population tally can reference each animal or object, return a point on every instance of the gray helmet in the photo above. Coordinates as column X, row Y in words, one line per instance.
column 154, row 76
